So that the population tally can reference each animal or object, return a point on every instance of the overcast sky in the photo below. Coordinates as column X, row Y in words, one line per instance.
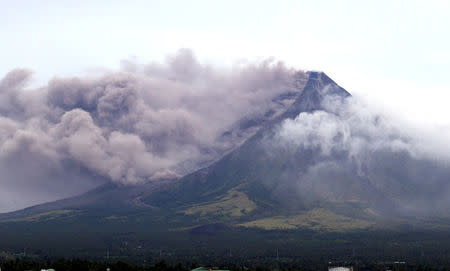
column 393, row 52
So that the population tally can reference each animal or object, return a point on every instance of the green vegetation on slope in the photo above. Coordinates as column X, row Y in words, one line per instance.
column 317, row 219
column 232, row 204
column 46, row 216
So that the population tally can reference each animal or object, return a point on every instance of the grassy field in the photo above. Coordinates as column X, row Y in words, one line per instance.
column 317, row 219
column 233, row 204
column 45, row 216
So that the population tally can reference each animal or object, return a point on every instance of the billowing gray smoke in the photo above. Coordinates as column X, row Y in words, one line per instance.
column 160, row 121
column 355, row 152
column 143, row 123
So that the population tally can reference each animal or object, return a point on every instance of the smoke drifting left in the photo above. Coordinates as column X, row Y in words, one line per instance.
column 143, row 123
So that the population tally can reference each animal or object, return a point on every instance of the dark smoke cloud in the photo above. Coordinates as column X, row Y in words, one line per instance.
column 355, row 152
column 143, row 123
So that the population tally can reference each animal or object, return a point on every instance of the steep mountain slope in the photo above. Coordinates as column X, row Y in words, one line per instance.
column 259, row 185
column 240, row 188
column 249, row 178
column 113, row 197
column 234, row 171
column 256, row 185
column 256, row 197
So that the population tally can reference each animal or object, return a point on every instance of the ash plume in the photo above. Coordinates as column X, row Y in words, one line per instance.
column 143, row 123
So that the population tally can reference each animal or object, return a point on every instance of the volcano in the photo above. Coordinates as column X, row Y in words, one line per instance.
column 250, row 191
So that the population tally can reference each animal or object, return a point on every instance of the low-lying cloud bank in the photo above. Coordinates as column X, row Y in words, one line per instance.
column 349, row 124
column 143, row 123
column 354, row 151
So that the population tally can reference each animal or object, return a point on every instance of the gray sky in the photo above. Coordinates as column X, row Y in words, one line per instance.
column 384, row 50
